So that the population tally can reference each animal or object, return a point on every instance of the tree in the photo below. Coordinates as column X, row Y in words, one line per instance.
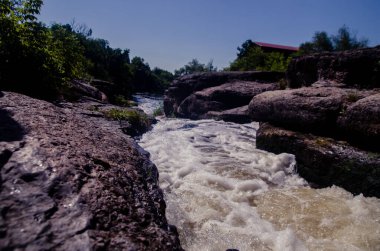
column 163, row 78
column 346, row 40
column 251, row 57
column 245, row 48
column 29, row 60
column 343, row 40
column 320, row 42
column 195, row 66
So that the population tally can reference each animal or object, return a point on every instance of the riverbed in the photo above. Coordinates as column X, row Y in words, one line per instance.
column 223, row 193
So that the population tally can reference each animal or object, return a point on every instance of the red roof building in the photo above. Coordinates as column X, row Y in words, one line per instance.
column 266, row 47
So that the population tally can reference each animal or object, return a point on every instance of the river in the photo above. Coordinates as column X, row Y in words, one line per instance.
column 223, row 193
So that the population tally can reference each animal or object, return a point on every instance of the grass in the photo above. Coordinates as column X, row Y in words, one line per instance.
column 353, row 97
column 158, row 112
column 135, row 118
column 122, row 101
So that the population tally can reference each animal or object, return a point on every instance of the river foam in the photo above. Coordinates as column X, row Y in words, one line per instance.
column 222, row 192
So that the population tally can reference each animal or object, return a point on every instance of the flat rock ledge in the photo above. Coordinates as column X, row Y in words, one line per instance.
column 341, row 113
column 73, row 181
column 325, row 161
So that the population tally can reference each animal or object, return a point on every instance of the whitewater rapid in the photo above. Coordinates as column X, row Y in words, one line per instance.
column 223, row 193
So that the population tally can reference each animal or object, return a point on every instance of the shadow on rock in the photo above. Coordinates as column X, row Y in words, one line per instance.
column 10, row 130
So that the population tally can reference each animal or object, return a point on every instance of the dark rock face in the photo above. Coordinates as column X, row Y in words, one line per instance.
column 361, row 121
column 340, row 100
column 318, row 110
column 359, row 68
column 192, row 96
column 86, row 89
column 70, row 181
column 237, row 115
column 325, row 161
column 311, row 109
column 223, row 97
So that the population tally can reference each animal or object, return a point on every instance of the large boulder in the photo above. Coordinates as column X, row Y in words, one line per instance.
column 236, row 115
column 361, row 121
column 223, row 97
column 83, row 88
column 71, row 181
column 318, row 109
column 187, row 85
column 324, row 161
column 358, row 68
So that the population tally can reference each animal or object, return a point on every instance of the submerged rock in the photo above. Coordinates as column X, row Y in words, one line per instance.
column 325, row 161
column 72, row 181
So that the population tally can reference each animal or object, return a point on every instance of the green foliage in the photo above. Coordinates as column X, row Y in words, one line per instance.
column 346, row 40
column 135, row 118
column 195, row 66
column 343, row 40
column 40, row 60
column 158, row 112
column 251, row 57
column 162, row 77
column 35, row 59
column 122, row 101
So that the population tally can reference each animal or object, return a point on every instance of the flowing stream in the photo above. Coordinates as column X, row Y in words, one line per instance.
column 223, row 193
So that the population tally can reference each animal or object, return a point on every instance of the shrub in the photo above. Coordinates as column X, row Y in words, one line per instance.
column 134, row 117
column 158, row 111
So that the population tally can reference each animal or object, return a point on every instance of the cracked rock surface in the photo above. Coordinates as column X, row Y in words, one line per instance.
column 70, row 181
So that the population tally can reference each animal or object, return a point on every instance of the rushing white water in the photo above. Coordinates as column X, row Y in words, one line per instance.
column 222, row 192
column 148, row 103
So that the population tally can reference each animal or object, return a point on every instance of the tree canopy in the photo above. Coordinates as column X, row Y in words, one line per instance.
column 345, row 39
column 41, row 60
column 195, row 66
column 251, row 57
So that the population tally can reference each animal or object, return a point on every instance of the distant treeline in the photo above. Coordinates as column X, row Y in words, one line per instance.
column 41, row 60
column 252, row 57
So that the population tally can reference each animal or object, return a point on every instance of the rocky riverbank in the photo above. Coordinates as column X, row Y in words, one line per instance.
column 220, row 95
column 329, row 116
column 71, row 180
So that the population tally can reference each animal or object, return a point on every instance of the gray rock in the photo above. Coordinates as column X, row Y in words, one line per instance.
column 183, row 87
column 70, row 181
column 311, row 109
column 223, row 97
column 236, row 115
column 358, row 68
column 324, row 161
column 361, row 121
column 86, row 89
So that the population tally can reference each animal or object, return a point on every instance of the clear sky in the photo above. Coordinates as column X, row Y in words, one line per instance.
column 169, row 33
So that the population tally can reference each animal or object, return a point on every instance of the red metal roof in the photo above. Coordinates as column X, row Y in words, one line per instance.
column 277, row 46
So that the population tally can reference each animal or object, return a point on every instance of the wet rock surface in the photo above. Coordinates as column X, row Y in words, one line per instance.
column 237, row 115
column 70, row 180
column 192, row 96
column 325, row 161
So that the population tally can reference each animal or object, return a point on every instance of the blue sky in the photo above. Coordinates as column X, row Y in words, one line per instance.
column 169, row 33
